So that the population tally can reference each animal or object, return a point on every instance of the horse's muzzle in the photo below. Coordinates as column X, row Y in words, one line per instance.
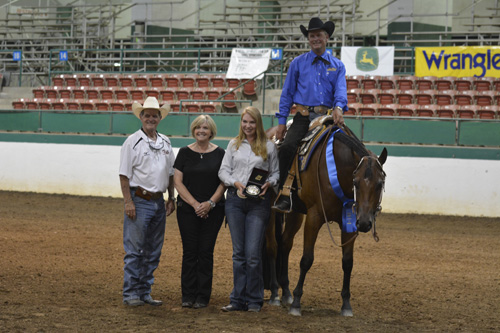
column 364, row 226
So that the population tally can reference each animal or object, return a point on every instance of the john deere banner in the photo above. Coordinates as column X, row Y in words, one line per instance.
column 458, row 61
column 246, row 63
column 368, row 60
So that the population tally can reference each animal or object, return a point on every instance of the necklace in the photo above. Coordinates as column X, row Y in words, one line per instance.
column 199, row 150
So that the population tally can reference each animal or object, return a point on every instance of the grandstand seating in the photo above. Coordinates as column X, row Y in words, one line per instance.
column 353, row 82
column 483, row 83
column 445, row 97
column 353, row 95
column 444, row 83
column 141, row 81
column 406, row 96
column 471, row 97
column 425, row 82
column 353, row 109
column 427, row 110
column 405, row 82
column 369, row 82
column 387, row 109
column 387, row 82
column 249, row 88
column 468, row 111
column 447, row 111
column 464, row 97
column 85, row 80
column 424, row 97
column 463, row 83
column 406, row 110
column 369, row 96
column 387, row 96
column 488, row 112
column 485, row 97
column 368, row 109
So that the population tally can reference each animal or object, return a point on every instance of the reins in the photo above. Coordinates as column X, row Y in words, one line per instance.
column 379, row 207
column 321, row 198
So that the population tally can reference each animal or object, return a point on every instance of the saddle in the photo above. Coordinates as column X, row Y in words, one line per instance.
column 318, row 128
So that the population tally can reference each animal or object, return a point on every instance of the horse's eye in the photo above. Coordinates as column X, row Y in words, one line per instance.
column 380, row 186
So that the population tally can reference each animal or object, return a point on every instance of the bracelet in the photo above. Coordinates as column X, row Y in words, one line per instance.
column 212, row 204
column 338, row 107
column 171, row 198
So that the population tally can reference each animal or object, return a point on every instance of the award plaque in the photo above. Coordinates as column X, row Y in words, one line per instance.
column 255, row 182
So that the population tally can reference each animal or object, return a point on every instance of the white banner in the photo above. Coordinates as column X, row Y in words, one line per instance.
column 368, row 60
column 246, row 63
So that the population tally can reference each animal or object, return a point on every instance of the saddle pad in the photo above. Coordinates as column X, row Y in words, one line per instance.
column 348, row 211
column 309, row 144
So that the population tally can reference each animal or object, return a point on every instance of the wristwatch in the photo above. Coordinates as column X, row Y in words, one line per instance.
column 212, row 204
column 338, row 107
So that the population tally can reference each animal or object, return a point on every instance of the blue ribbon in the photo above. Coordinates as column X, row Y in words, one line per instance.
column 348, row 214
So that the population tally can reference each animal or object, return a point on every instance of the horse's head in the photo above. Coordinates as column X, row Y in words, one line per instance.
column 368, row 183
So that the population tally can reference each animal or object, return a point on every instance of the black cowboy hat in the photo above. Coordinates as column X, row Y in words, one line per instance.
column 315, row 23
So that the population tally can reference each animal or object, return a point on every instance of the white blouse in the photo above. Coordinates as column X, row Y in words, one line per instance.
column 238, row 164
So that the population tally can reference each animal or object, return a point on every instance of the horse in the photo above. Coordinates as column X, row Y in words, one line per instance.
column 361, row 178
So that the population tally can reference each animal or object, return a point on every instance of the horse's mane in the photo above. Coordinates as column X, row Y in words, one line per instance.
column 352, row 142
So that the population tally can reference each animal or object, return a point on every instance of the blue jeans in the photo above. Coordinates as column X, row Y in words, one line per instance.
column 142, row 241
column 247, row 221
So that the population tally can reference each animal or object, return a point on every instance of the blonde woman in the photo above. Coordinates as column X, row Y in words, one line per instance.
column 200, row 210
column 247, row 217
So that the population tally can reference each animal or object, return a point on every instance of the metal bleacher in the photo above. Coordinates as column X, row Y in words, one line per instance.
column 100, row 41
column 100, row 37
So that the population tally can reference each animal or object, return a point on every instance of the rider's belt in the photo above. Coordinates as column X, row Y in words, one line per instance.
column 145, row 194
column 320, row 109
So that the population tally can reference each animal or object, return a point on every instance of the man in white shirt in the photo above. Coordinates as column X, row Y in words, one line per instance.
column 146, row 172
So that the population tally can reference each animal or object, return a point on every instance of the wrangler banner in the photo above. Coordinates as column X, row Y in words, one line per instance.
column 478, row 61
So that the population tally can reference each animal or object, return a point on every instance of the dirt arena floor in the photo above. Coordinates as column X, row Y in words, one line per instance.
column 61, row 271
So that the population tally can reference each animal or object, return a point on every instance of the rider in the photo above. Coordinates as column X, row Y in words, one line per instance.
column 315, row 83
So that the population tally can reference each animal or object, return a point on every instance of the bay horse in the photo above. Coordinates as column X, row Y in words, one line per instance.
column 361, row 178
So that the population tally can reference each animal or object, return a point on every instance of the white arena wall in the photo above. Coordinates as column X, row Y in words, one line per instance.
column 413, row 185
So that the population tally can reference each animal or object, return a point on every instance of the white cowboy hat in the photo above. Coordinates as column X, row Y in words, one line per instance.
column 150, row 103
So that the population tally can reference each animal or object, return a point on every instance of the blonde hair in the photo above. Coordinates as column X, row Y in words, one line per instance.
column 259, row 145
column 198, row 121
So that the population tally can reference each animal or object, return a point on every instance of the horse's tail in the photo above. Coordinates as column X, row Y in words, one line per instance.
column 271, row 253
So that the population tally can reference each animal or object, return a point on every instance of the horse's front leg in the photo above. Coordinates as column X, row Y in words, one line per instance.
column 272, row 253
column 293, row 222
column 311, row 229
column 347, row 263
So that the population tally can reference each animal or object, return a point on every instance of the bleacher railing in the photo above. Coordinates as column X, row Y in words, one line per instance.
column 171, row 60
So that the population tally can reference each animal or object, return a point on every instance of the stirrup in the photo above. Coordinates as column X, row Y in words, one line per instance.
column 283, row 204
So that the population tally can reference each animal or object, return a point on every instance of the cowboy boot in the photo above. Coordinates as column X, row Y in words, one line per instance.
column 283, row 203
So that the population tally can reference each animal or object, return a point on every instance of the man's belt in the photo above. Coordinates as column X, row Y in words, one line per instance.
column 145, row 194
column 304, row 110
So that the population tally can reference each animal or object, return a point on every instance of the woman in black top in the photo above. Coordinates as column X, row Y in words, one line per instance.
column 200, row 210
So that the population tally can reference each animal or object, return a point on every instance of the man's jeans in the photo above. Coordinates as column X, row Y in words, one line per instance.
column 247, row 221
column 142, row 241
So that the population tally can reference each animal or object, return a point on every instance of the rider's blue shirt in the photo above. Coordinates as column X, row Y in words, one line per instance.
column 313, row 84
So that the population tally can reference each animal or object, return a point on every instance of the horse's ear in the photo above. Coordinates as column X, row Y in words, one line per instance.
column 383, row 156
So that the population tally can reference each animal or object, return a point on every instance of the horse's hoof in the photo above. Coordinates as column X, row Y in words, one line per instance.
column 287, row 300
column 346, row 313
column 295, row 312
column 275, row 301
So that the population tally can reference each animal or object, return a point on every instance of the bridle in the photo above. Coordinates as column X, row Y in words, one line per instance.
column 379, row 207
